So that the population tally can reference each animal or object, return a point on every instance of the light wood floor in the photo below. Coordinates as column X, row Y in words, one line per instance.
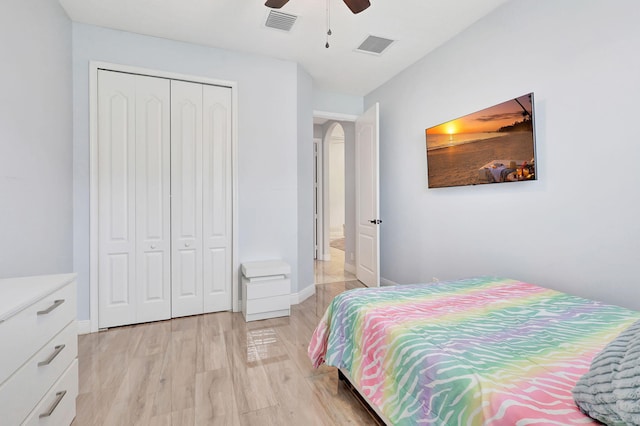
column 214, row 369
column 332, row 271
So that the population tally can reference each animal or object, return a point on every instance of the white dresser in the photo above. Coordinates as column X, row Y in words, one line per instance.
column 38, row 359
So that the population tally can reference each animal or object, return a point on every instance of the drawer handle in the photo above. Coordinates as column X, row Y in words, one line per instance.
column 53, row 407
column 52, row 307
column 53, row 356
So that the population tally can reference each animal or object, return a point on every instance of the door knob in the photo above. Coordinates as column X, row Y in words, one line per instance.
column 187, row 244
column 376, row 221
column 153, row 246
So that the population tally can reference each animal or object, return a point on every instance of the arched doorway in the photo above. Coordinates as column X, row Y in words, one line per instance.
column 331, row 200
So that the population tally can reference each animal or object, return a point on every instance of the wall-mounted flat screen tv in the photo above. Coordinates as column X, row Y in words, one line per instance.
column 494, row 145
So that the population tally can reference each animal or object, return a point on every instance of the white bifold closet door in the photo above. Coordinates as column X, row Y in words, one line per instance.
column 201, row 198
column 133, row 189
column 186, row 206
column 164, row 198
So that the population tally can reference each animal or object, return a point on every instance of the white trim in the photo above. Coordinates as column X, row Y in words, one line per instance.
column 348, row 267
column 93, row 196
column 84, row 327
column 385, row 282
column 334, row 116
column 93, row 174
column 95, row 65
column 304, row 294
column 235, row 245
column 326, row 142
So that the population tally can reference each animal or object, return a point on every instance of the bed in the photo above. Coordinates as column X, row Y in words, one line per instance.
column 474, row 351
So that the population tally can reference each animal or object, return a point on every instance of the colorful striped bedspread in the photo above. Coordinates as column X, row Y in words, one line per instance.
column 481, row 351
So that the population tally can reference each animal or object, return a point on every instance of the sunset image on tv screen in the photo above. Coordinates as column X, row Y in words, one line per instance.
column 493, row 145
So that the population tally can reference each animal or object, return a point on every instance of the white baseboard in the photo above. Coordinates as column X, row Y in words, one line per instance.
column 84, row 327
column 385, row 282
column 350, row 268
column 304, row 294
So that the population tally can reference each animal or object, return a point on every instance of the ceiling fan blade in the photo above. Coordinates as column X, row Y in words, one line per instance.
column 275, row 4
column 357, row 6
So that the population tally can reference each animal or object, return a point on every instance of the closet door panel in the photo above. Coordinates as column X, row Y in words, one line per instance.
column 186, row 195
column 116, row 193
column 218, row 287
column 116, row 272
column 186, row 271
column 153, row 162
column 217, row 197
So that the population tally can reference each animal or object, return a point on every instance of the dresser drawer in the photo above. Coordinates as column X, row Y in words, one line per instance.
column 25, row 333
column 22, row 391
column 267, row 288
column 58, row 407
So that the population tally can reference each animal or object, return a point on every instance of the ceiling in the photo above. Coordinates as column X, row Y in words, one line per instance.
column 418, row 26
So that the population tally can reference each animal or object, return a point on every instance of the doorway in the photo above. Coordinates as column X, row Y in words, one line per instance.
column 358, row 138
column 331, row 212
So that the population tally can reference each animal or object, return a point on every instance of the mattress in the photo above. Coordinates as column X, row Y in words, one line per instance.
column 479, row 351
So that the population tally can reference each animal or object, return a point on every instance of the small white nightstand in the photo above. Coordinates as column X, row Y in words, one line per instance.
column 265, row 290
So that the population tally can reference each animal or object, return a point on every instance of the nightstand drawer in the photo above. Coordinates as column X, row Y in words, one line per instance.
column 22, row 391
column 268, row 304
column 268, row 288
column 25, row 333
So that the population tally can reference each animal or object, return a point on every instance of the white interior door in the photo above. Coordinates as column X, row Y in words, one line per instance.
column 216, row 198
column 133, row 186
column 367, row 198
column 186, row 198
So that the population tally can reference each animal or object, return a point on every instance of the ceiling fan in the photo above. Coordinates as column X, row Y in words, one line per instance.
column 356, row 6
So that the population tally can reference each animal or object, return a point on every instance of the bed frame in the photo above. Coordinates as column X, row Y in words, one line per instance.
column 371, row 408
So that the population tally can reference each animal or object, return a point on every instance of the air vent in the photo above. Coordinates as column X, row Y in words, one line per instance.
column 280, row 21
column 374, row 45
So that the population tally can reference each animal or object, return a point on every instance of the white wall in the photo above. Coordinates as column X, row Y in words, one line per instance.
column 576, row 229
column 305, row 182
column 267, row 137
column 35, row 139
column 337, row 102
